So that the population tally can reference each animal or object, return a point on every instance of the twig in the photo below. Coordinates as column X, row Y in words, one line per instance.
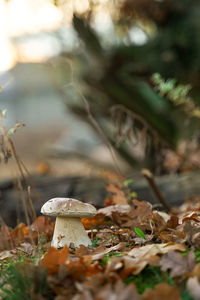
column 100, row 131
column 32, row 182
column 147, row 127
column 91, row 119
column 23, row 198
column 18, row 162
column 34, row 216
column 149, row 177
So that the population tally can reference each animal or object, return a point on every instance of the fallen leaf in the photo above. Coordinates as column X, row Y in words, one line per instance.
column 20, row 232
column 82, row 267
column 193, row 287
column 196, row 240
column 153, row 249
column 117, row 292
column 191, row 217
column 163, row 214
column 26, row 248
column 40, row 223
column 177, row 264
column 53, row 258
column 105, row 286
column 81, row 251
column 142, row 208
column 121, row 209
column 143, row 255
column 108, row 250
column 6, row 254
column 119, row 196
column 62, row 284
column 162, row 291
column 89, row 223
column 190, row 228
column 173, row 222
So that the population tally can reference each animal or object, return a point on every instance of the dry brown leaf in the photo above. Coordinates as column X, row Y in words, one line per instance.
column 26, row 248
column 173, row 222
column 193, row 287
column 157, row 221
column 162, row 291
column 118, row 198
column 53, row 258
column 166, row 236
column 118, row 291
column 172, row 235
column 62, row 284
column 107, row 250
column 82, row 267
column 178, row 264
column 142, row 208
column 41, row 224
column 192, row 216
column 114, row 265
column 143, row 255
column 108, row 237
column 105, row 286
column 154, row 249
column 83, row 295
column 6, row 254
column 139, row 215
column 163, row 214
column 121, row 209
column 20, row 232
column 82, row 250
column 130, row 266
column 190, row 228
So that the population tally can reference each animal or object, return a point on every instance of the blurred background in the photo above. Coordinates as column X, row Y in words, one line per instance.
column 104, row 88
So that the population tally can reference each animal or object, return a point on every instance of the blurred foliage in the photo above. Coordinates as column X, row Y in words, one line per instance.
column 177, row 94
column 116, row 78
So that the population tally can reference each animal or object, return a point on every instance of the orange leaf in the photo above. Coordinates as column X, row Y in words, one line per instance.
column 53, row 258
column 83, row 267
column 42, row 224
column 119, row 196
column 89, row 223
column 114, row 189
column 20, row 232
column 124, row 273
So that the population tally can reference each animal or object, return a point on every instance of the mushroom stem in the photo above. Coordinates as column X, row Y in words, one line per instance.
column 69, row 230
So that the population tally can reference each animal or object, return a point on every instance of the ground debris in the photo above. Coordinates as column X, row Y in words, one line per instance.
column 128, row 241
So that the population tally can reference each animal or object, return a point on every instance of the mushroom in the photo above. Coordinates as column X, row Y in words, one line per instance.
column 68, row 227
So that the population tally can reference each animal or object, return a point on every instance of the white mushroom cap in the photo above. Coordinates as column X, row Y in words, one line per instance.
column 68, row 207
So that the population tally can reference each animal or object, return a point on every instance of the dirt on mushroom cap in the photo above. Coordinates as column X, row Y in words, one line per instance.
column 68, row 207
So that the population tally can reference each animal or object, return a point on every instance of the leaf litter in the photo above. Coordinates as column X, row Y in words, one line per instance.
column 136, row 253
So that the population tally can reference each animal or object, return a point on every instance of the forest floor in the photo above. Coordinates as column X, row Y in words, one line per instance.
column 137, row 252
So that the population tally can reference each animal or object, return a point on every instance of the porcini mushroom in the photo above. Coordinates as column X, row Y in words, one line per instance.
column 68, row 227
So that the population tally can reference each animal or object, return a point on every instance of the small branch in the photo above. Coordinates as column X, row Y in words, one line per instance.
column 149, row 177
column 37, row 197
column 92, row 120
column 33, row 212
column 101, row 133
